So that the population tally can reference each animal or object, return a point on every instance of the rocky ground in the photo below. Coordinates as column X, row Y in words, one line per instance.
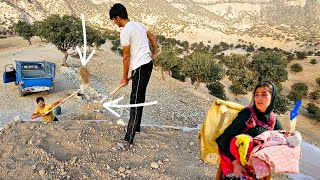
column 79, row 148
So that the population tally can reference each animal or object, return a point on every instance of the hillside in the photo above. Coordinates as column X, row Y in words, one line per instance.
column 79, row 148
column 288, row 24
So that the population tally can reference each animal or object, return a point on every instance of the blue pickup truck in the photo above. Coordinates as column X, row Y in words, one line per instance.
column 31, row 76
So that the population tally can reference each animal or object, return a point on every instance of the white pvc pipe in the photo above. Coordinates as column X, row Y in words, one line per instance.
column 84, row 38
column 130, row 105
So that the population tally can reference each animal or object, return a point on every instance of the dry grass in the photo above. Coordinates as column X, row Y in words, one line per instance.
column 84, row 75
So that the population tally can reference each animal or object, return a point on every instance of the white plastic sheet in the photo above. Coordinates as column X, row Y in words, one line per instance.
column 309, row 166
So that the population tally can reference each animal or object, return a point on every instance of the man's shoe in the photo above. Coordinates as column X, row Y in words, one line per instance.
column 124, row 145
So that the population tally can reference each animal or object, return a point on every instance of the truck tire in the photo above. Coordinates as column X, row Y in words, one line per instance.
column 47, row 92
column 22, row 94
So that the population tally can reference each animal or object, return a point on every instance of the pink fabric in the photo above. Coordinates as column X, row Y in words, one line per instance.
column 253, row 121
column 274, row 153
column 260, row 167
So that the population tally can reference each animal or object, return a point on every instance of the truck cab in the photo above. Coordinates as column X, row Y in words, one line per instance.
column 31, row 76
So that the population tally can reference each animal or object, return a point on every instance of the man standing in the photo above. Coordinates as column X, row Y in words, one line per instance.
column 136, row 54
column 43, row 108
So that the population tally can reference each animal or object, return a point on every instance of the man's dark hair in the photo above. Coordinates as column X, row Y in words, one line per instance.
column 118, row 10
column 39, row 99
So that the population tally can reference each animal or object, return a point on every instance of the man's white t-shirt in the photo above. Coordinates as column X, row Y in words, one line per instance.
column 135, row 35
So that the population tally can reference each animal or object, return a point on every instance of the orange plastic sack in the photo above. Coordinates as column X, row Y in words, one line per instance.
column 219, row 116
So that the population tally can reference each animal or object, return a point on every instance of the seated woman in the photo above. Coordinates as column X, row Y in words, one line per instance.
column 253, row 121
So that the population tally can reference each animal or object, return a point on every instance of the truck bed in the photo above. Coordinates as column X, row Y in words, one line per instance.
column 34, row 74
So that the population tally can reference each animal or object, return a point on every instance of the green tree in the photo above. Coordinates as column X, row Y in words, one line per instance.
column 236, row 61
column 38, row 30
column 296, row 67
column 64, row 32
column 25, row 30
column 313, row 61
column 244, row 79
column 202, row 68
column 95, row 38
column 270, row 66
column 217, row 89
column 167, row 59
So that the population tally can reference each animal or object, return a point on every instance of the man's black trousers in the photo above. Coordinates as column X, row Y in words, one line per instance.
column 140, row 78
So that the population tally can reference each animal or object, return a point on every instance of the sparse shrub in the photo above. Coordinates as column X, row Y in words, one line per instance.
column 315, row 95
column 177, row 75
column 313, row 61
column 290, row 57
column 250, row 48
column 263, row 49
column 237, row 89
column 282, row 104
column 317, row 114
column 300, row 88
column 114, row 48
column 318, row 81
column 294, row 96
column 120, row 51
column 296, row 67
column 238, row 46
column 312, row 108
column 301, row 55
column 217, row 89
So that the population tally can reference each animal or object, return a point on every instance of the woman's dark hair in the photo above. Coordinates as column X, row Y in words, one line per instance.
column 268, row 85
column 118, row 10
column 39, row 99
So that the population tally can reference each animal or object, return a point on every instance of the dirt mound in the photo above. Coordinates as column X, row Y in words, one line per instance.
column 93, row 150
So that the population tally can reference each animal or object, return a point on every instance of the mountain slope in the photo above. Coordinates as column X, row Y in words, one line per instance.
column 281, row 20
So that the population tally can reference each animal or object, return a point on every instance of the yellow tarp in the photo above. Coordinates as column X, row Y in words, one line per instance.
column 219, row 116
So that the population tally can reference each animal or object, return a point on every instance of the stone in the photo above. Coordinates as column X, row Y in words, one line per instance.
column 42, row 172
column 121, row 169
column 120, row 122
column 154, row 165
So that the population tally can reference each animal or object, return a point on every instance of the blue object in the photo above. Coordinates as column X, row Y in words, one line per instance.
column 294, row 112
column 31, row 76
column 57, row 111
